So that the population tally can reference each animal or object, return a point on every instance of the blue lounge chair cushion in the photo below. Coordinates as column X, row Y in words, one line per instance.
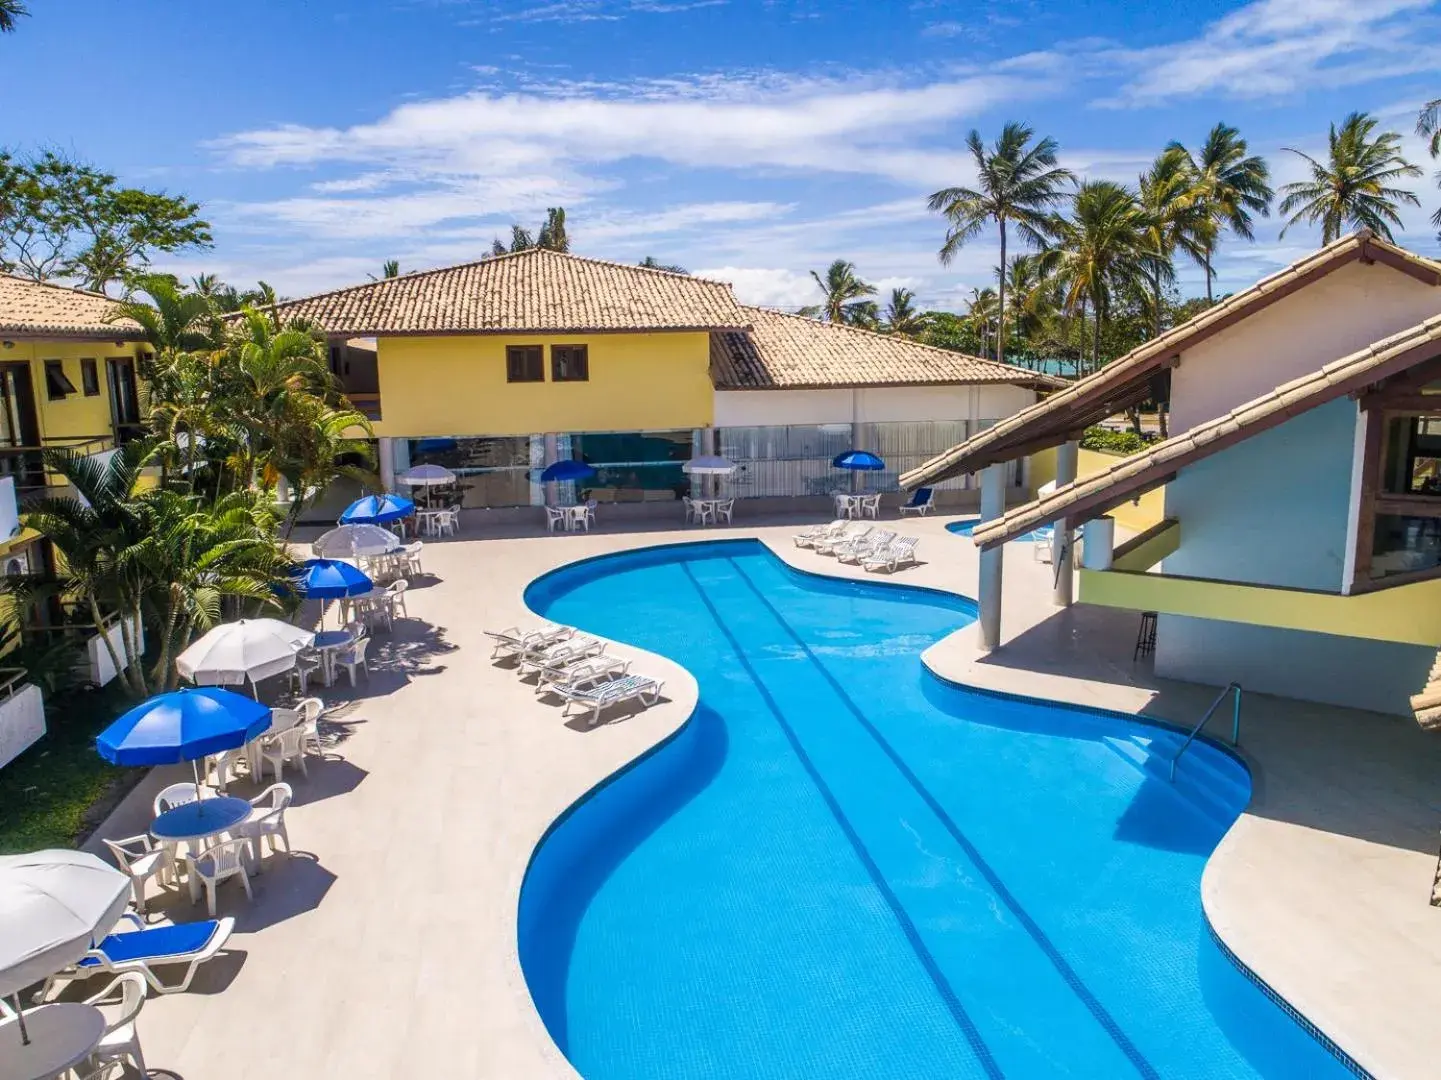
column 156, row 943
column 920, row 496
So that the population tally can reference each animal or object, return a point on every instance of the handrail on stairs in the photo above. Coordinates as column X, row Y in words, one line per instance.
column 1233, row 688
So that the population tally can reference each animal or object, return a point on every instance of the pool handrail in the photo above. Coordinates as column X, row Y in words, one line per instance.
column 1235, row 688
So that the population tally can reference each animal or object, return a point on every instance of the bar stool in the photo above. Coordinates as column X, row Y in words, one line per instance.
column 1145, row 636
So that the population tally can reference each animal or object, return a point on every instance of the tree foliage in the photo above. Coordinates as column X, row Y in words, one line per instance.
column 63, row 219
column 845, row 296
column 1354, row 186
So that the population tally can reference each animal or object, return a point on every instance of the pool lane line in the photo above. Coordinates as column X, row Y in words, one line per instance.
column 1063, row 967
column 918, row 946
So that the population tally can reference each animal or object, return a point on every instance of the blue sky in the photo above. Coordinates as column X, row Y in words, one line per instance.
column 744, row 139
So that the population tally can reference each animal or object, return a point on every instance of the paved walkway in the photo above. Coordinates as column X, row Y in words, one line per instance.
column 388, row 948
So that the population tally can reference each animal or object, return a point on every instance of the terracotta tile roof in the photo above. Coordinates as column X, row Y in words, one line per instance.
column 1092, row 495
column 39, row 309
column 536, row 291
column 794, row 352
column 1122, row 381
column 1427, row 704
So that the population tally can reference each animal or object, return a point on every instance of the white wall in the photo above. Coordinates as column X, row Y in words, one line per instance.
column 773, row 408
column 1354, row 672
column 1331, row 318
column 1272, row 510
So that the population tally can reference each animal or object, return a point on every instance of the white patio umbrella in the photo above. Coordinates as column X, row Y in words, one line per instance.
column 353, row 541
column 54, row 906
column 709, row 465
column 426, row 476
column 248, row 650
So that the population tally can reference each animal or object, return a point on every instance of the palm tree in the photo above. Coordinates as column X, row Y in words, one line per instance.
column 10, row 10
column 1101, row 251
column 1032, row 298
column 1017, row 182
column 901, row 316
column 981, row 313
column 1352, row 187
column 844, row 292
column 1230, row 186
column 388, row 269
column 652, row 263
column 1428, row 125
column 1175, row 220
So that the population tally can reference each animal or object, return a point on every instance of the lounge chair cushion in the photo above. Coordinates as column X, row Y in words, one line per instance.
column 156, row 943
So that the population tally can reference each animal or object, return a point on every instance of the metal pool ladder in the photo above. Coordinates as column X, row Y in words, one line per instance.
column 1233, row 688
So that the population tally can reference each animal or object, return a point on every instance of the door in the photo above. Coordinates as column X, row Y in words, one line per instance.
column 124, row 398
column 19, row 427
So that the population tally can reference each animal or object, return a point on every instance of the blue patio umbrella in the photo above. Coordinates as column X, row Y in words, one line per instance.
column 862, row 460
column 376, row 510
column 569, row 469
column 330, row 579
column 184, row 725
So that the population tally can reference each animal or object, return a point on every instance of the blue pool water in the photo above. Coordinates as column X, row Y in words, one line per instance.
column 844, row 868
column 965, row 528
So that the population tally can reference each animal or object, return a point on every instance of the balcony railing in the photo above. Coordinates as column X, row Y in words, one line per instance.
column 26, row 464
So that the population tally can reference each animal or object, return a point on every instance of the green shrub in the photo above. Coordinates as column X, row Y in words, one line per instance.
column 1113, row 442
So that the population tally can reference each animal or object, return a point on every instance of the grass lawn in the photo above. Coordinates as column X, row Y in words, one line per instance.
column 58, row 789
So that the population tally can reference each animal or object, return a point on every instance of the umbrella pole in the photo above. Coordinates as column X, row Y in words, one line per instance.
column 20, row 1017
column 195, row 768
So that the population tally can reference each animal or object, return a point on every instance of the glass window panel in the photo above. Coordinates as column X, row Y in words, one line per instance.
column 494, row 472
column 639, row 466
column 1404, row 545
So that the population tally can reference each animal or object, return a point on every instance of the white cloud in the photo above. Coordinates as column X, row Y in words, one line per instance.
column 1271, row 48
column 767, row 286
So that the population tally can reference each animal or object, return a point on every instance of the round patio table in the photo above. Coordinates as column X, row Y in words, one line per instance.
column 200, row 819
column 327, row 643
column 61, row 1036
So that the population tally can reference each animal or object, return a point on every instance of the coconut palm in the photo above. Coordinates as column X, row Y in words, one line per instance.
column 982, row 315
column 552, row 234
column 845, row 295
column 650, row 262
column 1353, row 186
column 1231, row 185
column 1017, row 183
column 1032, row 299
column 1428, row 125
column 1175, row 221
column 10, row 10
column 1101, row 251
column 902, row 317
column 390, row 268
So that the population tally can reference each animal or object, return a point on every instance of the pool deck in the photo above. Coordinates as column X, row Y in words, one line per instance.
column 387, row 948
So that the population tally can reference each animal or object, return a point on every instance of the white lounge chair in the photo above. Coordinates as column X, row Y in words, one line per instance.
column 899, row 553
column 810, row 536
column 574, row 648
column 513, row 641
column 574, row 674
column 143, row 948
column 602, row 695
column 852, row 534
column 923, row 499
column 857, row 550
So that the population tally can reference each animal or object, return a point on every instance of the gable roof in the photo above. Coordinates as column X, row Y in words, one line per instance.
column 535, row 291
column 40, row 309
column 1091, row 496
column 783, row 351
column 1128, row 380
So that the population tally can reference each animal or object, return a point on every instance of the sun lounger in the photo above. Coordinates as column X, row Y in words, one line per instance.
column 513, row 641
column 576, row 674
column 602, row 695
column 857, row 550
column 810, row 536
column 922, row 500
column 852, row 534
column 571, row 649
column 145, row 948
column 899, row 553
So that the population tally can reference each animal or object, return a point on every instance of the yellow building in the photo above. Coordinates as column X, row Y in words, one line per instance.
column 67, row 379
column 497, row 368
column 1300, row 549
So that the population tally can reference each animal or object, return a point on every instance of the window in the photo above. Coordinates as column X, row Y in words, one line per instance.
column 90, row 376
column 57, row 386
column 524, row 363
column 569, row 363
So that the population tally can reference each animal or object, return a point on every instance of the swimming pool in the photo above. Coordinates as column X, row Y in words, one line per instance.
column 843, row 867
column 965, row 528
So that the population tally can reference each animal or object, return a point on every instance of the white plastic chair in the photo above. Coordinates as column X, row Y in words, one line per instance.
column 395, row 597
column 352, row 657
column 590, row 505
column 555, row 518
column 267, row 819
column 310, row 710
column 307, row 664
column 412, row 557
column 689, row 509
column 724, row 508
column 275, row 750
column 172, row 796
column 120, row 1042
column 225, row 859
column 139, row 857
column 447, row 521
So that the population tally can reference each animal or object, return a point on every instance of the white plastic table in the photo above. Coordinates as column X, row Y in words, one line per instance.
column 61, row 1036
column 200, row 820
column 327, row 644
